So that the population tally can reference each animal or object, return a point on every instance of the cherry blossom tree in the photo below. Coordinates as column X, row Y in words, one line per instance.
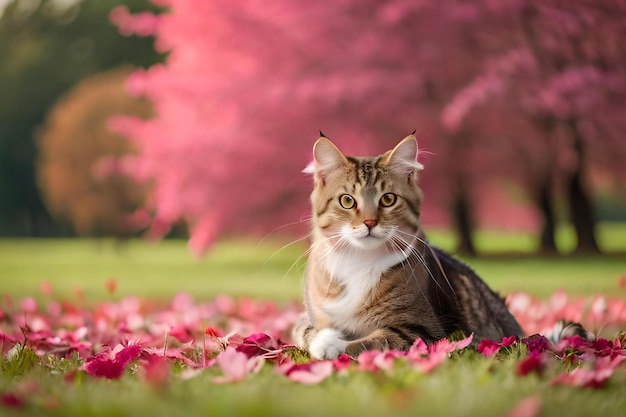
column 567, row 77
column 245, row 89
column 247, row 85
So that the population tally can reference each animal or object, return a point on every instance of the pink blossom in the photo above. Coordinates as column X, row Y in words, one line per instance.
column 593, row 376
column 534, row 362
column 143, row 24
column 536, row 343
column 29, row 305
column 489, row 347
column 342, row 362
column 235, row 365
column 509, row 341
column 307, row 373
column 157, row 369
column 111, row 364
column 374, row 360
column 428, row 357
column 258, row 344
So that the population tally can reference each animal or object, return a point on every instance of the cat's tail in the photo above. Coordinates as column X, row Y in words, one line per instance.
column 564, row 329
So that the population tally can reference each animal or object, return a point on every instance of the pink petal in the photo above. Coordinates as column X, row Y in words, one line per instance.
column 462, row 344
column 310, row 373
column 157, row 370
column 534, row 362
column 488, row 347
column 102, row 366
column 235, row 365
column 508, row 341
column 342, row 362
column 419, row 347
column 257, row 344
column 29, row 305
column 430, row 362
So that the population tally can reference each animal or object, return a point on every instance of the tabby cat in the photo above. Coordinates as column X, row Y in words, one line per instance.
column 372, row 280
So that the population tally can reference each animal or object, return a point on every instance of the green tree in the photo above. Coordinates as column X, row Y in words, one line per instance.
column 46, row 48
column 79, row 158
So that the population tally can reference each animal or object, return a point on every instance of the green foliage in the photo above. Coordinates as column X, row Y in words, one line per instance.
column 44, row 52
column 18, row 361
column 297, row 355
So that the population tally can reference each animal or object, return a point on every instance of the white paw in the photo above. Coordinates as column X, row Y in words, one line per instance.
column 327, row 344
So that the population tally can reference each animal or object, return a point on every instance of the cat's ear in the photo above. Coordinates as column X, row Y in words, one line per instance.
column 404, row 156
column 326, row 157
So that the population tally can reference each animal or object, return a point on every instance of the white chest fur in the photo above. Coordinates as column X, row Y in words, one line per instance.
column 359, row 271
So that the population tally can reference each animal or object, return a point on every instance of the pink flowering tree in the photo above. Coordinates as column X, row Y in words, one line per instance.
column 567, row 78
column 247, row 85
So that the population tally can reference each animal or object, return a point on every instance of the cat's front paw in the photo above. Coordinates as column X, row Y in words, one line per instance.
column 327, row 344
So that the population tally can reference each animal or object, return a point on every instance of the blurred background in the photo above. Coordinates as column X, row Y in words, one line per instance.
column 195, row 118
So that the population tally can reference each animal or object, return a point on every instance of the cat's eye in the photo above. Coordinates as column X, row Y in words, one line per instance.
column 388, row 200
column 347, row 201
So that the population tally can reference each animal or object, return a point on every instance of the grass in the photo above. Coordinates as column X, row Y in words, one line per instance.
column 247, row 268
column 465, row 386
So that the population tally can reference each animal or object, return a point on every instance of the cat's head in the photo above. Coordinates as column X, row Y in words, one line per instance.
column 368, row 202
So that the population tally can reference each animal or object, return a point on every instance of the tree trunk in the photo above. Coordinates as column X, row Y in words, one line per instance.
column 547, row 242
column 579, row 201
column 581, row 214
column 463, row 223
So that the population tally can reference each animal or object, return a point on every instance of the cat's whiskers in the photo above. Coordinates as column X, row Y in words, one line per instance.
column 423, row 259
column 304, row 219
column 397, row 241
column 333, row 243
column 285, row 246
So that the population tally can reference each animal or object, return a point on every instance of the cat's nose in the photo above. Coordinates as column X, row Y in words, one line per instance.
column 370, row 223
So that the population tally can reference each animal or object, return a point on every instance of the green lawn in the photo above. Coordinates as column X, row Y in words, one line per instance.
column 266, row 270
column 465, row 386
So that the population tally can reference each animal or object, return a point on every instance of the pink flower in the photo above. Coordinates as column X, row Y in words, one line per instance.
column 488, row 347
column 258, row 344
column 532, row 363
column 426, row 358
column 444, row 345
column 491, row 347
column 509, row 341
column 307, row 373
column 29, row 305
column 157, row 370
column 342, row 362
column 536, row 343
column 591, row 377
column 111, row 364
column 235, row 365
column 374, row 360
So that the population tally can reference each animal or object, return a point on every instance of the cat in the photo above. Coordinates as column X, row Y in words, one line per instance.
column 372, row 280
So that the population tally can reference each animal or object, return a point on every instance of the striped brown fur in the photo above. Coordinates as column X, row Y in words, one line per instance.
column 372, row 280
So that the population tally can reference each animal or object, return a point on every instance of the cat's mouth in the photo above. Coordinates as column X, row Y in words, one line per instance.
column 367, row 239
